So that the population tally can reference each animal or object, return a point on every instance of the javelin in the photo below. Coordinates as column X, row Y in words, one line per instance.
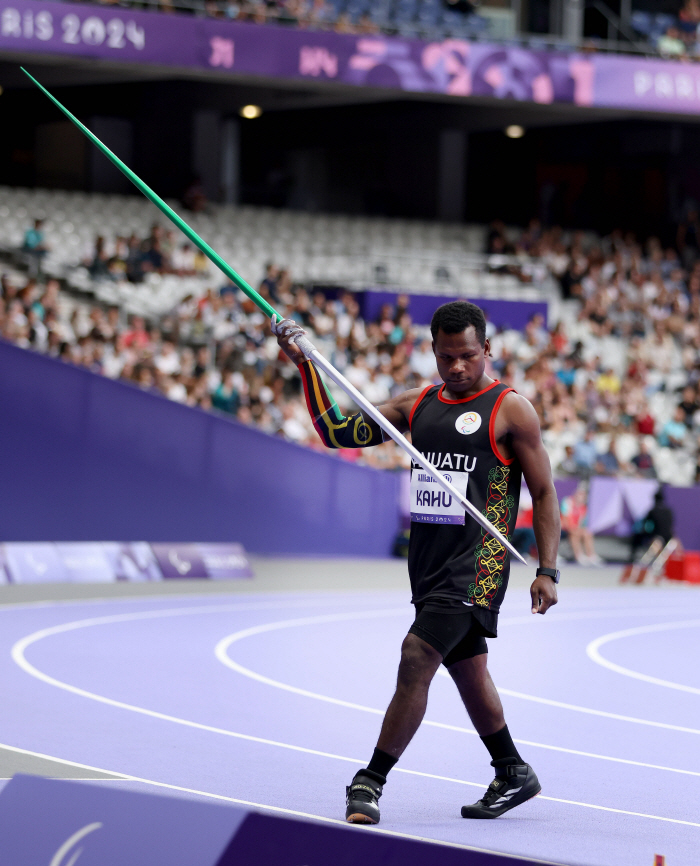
column 303, row 343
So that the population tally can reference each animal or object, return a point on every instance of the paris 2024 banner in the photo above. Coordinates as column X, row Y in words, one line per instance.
column 452, row 66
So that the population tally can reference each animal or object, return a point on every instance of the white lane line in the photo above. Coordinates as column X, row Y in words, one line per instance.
column 285, row 600
column 221, row 652
column 588, row 710
column 593, row 712
column 262, row 806
column 19, row 658
column 592, row 650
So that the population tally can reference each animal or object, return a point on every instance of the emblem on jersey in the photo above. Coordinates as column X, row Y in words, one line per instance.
column 468, row 423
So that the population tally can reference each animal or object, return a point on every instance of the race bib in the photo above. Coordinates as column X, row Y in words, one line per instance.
column 430, row 503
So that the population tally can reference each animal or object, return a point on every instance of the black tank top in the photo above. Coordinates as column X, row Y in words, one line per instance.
column 452, row 561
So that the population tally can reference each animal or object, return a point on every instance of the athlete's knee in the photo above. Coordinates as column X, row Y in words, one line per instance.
column 419, row 661
column 470, row 671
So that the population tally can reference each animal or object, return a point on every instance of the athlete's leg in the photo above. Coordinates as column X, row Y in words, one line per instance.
column 419, row 662
column 575, row 540
column 478, row 693
column 588, row 544
column 515, row 780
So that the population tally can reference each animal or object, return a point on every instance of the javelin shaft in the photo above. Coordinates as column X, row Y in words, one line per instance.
column 211, row 254
column 401, row 440
column 270, row 311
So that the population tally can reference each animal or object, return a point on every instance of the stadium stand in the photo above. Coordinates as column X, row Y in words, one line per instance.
column 615, row 377
column 349, row 251
column 674, row 36
column 431, row 18
column 660, row 33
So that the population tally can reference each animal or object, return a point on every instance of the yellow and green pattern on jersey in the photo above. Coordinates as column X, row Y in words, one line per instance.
column 490, row 557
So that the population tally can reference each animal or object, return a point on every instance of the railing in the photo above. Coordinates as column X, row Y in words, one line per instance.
column 614, row 22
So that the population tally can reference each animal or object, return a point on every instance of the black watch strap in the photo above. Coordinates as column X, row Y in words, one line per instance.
column 549, row 572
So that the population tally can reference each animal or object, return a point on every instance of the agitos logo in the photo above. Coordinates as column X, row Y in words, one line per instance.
column 66, row 855
column 468, row 423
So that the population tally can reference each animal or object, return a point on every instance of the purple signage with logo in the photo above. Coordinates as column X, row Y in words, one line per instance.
column 50, row 822
column 46, row 821
column 202, row 560
column 106, row 561
column 451, row 66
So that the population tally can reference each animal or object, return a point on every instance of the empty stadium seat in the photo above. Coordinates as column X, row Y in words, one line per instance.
column 353, row 251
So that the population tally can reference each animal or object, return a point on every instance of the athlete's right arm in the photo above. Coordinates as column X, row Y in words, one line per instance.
column 335, row 429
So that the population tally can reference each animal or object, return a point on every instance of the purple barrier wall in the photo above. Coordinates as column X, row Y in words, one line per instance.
column 685, row 504
column 453, row 66
column 88, row 459
column 53, row 821
column 509, row 314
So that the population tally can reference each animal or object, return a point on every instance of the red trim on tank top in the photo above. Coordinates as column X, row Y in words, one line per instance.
column 415, row 405
column 466, row 399
column 492, row 427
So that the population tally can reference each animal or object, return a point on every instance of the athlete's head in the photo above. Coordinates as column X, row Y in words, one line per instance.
column 460, row 344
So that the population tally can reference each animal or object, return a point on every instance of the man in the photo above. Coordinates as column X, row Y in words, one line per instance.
column 34, row 247
column 643, row 462
column 483, row 435
column 608, row 463
column 674, row 431
column 568, row 465
column 585, row 454
column 656, row 528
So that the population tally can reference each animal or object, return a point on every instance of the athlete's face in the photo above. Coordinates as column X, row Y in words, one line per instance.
column 461, row 359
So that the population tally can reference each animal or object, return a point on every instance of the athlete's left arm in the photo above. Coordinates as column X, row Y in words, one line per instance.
column 525, row 440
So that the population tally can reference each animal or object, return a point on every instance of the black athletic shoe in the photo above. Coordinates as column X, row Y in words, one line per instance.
column 361, row 798
column 513, row 785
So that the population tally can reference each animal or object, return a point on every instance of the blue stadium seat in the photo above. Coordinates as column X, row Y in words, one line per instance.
column 661, row 24
column 477, row 25
column 641, row 22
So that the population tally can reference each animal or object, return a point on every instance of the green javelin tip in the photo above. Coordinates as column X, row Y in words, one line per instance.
column 168, row 211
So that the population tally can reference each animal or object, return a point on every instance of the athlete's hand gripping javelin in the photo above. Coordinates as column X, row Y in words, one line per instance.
column 286, row 332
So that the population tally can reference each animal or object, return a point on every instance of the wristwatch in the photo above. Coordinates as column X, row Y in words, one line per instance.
column 554, row 573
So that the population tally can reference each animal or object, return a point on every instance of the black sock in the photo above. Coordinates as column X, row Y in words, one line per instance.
column 501, row 745
column 381, row 763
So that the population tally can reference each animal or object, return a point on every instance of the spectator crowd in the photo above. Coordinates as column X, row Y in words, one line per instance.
column 360, row 17
column 671, row 34
column 621, row 364
column 675, row 36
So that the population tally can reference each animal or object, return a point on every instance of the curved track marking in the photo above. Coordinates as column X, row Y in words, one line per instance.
column 354, row 827
column 593, row 712
column 19, row 658
column 588, row 710
column 221, row 652
column 592, row 651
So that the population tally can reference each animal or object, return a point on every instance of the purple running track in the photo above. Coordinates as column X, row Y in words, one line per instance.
column 276, row 700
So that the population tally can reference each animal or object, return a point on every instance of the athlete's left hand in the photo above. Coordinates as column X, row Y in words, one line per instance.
column 543, row 593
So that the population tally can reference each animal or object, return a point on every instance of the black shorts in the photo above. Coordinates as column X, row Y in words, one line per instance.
column 456, row 636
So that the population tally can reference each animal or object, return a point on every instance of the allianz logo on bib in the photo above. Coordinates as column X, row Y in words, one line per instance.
column 468, row 423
